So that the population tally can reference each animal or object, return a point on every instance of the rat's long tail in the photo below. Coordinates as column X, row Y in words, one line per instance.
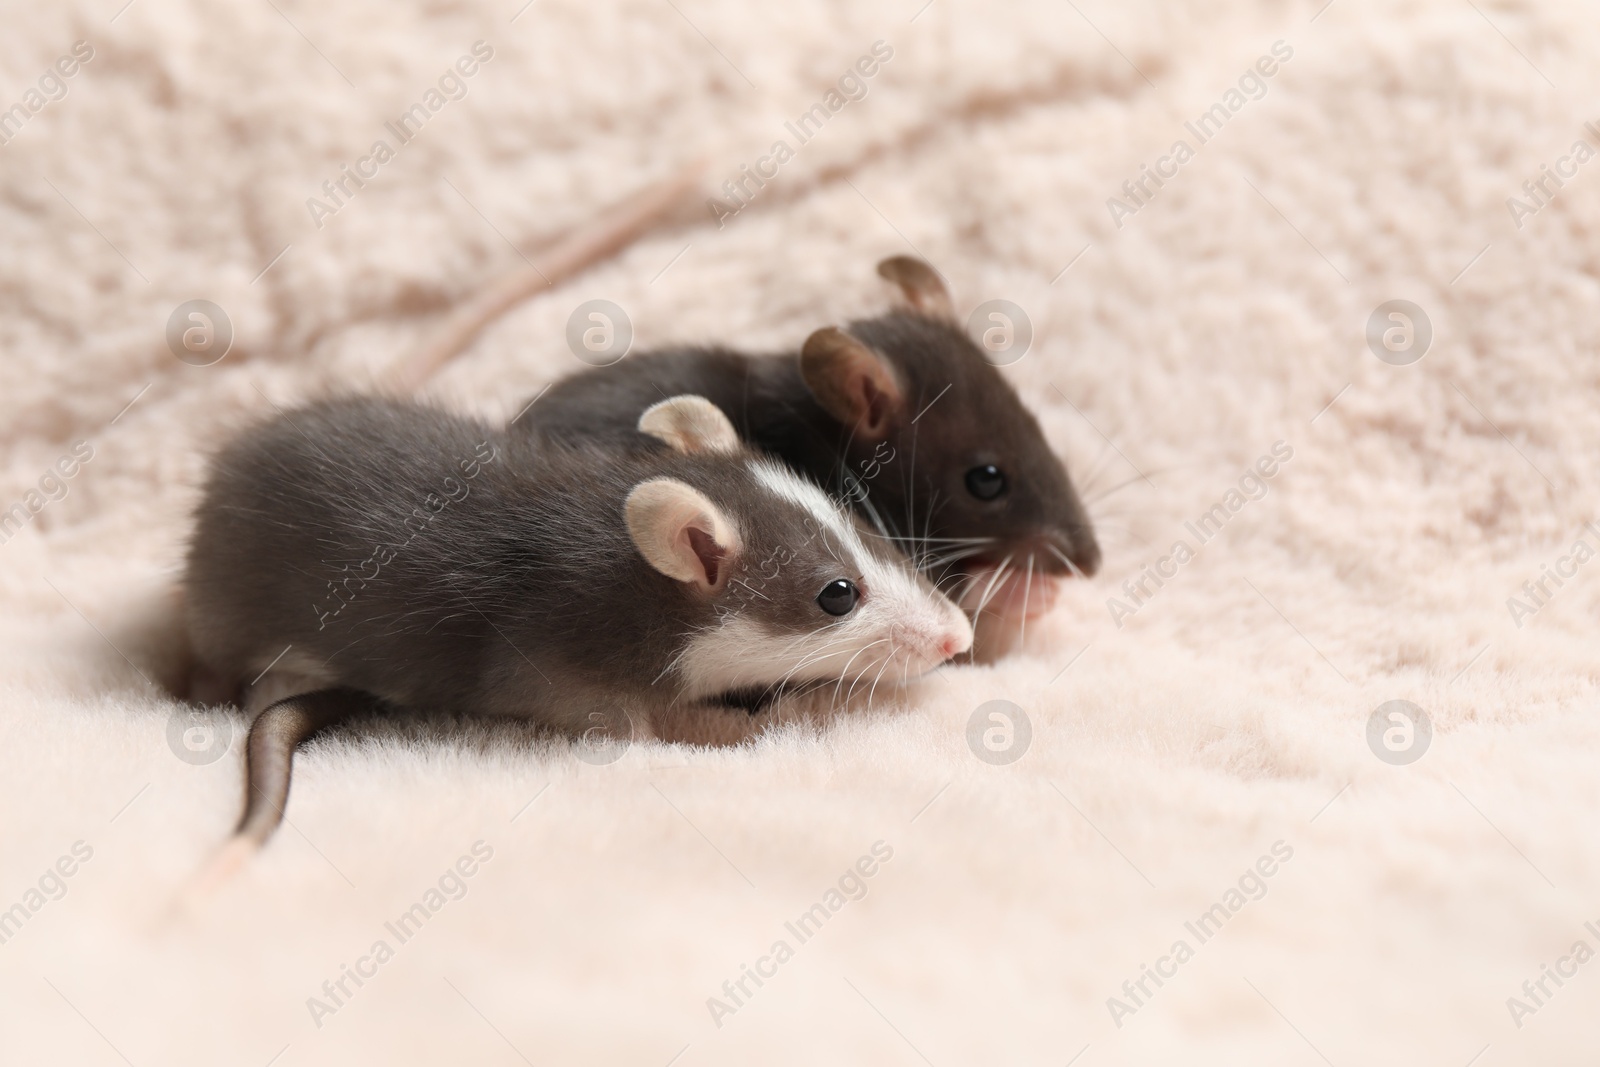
column 274, row 736
column 269, row 762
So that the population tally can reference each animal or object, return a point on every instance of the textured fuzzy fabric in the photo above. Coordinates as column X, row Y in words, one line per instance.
column 1169, row 755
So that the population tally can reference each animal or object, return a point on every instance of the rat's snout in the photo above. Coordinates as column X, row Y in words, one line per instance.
column 942, row 636
column 957, row 635
column 954, row 644
column 953, row 636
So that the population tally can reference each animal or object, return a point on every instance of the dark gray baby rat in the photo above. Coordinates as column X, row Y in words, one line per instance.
column 901, row 414
column 373, row 553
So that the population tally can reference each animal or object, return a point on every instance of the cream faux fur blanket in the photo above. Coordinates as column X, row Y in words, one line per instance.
column 1210, row 851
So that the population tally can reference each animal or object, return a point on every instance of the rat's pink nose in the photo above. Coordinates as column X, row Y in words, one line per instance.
column 954, row 643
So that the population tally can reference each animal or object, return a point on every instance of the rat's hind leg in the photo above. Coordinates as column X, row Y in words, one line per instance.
column 209, row 687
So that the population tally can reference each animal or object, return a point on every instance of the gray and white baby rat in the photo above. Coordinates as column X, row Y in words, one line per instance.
column 900, row 413
column 369, row 552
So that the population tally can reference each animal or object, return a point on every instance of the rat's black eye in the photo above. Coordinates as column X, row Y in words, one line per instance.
column 838, row 597
column 986, row 482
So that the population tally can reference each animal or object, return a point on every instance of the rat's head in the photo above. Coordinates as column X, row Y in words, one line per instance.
column 787, row 588
column 942, row 451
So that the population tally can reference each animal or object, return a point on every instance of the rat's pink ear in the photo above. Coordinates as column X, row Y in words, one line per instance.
column 690, row 424
column 920, row 284
column 681, row 533
column 852, row 382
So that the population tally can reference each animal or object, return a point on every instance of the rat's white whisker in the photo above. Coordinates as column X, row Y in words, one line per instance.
column 983, row 602
column 843, row 674
column 873, row 691
column 1062, row 556
column 826, row 651
column 988, row 591
column 1114, row 489
column 1027, row 590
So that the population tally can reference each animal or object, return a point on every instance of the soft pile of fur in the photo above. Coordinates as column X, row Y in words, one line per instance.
column 1227, row 714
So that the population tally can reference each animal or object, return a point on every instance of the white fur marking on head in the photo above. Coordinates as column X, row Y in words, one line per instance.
column 805, row 495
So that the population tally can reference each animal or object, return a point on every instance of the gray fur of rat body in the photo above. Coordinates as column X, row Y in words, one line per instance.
column 893, row 413
column 382, row 551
